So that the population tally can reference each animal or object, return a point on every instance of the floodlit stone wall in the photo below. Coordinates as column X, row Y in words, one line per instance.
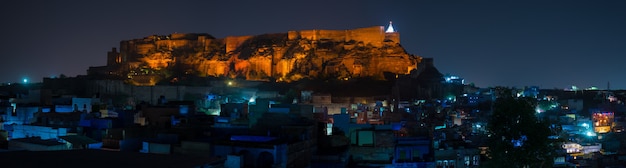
column 232, row 42
column 361, row 52
column 370, row 35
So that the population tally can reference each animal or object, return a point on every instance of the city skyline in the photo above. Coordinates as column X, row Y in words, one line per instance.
column 490, row 43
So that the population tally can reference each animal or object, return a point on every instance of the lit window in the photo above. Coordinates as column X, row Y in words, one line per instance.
column 476, row 160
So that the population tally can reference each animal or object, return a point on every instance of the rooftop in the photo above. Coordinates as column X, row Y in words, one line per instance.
column 38, row 141
column 78, row 139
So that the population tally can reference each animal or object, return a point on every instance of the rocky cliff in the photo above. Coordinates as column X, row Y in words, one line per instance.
column 342, row 54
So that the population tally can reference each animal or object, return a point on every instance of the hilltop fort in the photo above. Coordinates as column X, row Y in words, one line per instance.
column 343, row 54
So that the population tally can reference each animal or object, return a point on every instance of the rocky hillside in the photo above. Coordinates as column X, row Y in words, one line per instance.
column 359, row 53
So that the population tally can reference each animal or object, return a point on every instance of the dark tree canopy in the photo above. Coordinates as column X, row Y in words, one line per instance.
column 518, row 138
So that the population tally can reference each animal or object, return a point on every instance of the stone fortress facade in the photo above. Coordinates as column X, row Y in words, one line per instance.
column 342, row 54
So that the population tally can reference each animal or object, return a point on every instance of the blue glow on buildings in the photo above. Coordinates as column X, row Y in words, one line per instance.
column 183, row 109
column 396, row 126
column 250, row 138
column 453, row 79
column 63, row 108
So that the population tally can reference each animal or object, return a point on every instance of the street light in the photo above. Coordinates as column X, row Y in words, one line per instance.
column 585, row 125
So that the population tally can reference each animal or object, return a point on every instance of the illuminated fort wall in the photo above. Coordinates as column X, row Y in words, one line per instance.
column 152, row 51
column 233, row 42
column 370, row 35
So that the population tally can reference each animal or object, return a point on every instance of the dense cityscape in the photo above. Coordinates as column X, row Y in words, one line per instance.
column 305, row 98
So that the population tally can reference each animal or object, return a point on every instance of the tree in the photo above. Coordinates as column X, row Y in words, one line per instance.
column 517, row 137
column 290, row 96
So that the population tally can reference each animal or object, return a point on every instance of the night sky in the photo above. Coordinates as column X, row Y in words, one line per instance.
column 545, row 43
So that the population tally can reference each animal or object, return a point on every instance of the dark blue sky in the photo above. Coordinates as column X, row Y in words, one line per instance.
column 546, row 43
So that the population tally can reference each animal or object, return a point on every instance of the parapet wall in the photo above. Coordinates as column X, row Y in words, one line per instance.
column 232, row 42
column 178, row 35
column 374, row 35
column 174, row 43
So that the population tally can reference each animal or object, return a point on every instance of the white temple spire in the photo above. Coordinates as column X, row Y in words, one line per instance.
column 390, row 28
